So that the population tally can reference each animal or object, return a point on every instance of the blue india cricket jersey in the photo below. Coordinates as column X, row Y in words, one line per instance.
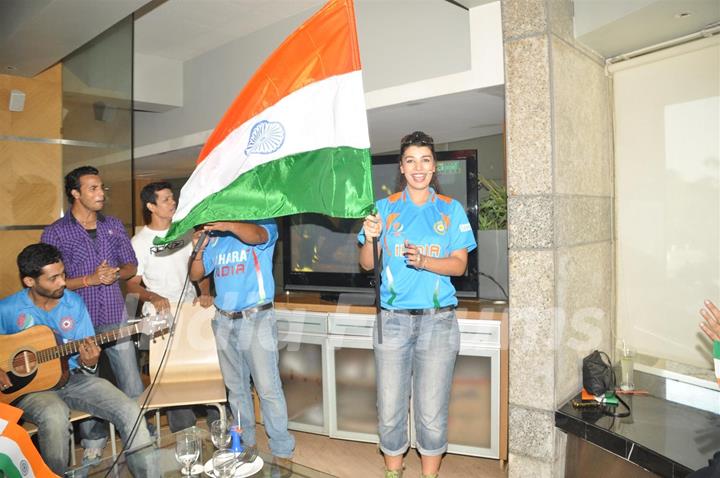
column 69, row 318
column 438, row 227
column 242, row 272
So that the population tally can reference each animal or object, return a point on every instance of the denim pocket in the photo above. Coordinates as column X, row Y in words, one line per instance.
column 396, row 329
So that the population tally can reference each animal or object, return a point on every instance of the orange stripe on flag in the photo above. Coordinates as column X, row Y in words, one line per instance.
column 329, row 37
column 16, row 433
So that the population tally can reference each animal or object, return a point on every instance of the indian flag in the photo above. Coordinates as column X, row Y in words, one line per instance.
column 18, row 456
column 295, row 139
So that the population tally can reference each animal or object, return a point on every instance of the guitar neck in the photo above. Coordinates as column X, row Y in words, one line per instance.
column 73, row 347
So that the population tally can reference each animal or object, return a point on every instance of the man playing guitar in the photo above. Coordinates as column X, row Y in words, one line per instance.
column 45, row 302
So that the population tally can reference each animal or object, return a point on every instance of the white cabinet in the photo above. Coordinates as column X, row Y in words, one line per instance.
column 341, row 343
column 303, row 369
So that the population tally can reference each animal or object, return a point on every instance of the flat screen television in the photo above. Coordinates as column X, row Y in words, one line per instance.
column 320, row 253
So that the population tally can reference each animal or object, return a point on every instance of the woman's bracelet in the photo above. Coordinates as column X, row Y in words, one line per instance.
column 85, row 281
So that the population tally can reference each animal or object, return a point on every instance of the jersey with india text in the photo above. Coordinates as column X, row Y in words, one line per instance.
column 242, row 272
column 438, row 227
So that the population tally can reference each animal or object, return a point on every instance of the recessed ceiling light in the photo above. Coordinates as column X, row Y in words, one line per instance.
column 683, row 14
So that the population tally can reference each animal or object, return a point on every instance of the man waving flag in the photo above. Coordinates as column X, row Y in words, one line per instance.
column 295, row 139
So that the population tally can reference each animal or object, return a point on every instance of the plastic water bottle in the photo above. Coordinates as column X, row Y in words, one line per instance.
column 236, row 443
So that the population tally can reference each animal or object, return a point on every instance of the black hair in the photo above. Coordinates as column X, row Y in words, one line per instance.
column 416, row 138
column 149, row 195
column 72, row 179
column 34, row 257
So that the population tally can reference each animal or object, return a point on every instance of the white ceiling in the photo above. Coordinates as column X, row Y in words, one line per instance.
column 184, row 29
column 614, row 27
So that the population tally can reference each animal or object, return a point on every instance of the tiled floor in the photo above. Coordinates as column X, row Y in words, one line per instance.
column 348, row 459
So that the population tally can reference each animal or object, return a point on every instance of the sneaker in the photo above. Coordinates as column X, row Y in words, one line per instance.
column 393, row 473
column 282, row 467
column 91, row 456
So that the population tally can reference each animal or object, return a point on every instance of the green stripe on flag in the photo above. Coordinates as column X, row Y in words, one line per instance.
column 8, row 468
column 336, row 182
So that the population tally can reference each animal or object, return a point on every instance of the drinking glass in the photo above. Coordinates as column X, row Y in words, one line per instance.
column 224, row 463
column 187, row 451
column 627, row 369
column 220, row 433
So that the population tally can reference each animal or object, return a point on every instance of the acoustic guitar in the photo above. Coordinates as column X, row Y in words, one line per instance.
column 36, row 359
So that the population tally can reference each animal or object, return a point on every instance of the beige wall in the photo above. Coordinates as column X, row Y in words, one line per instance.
column 30, row 184
column 559, row 178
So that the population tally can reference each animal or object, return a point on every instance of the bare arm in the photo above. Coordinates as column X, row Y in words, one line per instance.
column 127, row 271
column 197, row 268
column 136, row 286
column 453, row 265
column 247, row 232
column 205, row 299
column 711, row 326
column 373, row 228
column 104, row 274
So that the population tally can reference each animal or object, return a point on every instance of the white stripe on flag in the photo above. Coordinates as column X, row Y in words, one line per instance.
column 13, row 451
column 325, row 114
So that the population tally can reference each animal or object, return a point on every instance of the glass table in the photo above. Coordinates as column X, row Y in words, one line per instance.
column 170, row 467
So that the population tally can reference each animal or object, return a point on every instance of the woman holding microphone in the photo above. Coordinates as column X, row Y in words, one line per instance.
column 425, row 238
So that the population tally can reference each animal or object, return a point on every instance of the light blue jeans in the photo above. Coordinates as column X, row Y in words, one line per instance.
column 123, row 361
column 248, row 348
column 418, row 353
column 50, row 411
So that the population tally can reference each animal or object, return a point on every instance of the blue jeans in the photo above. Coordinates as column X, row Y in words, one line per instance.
column 418, row 353
column 248, row 348
column 180, row 418
column 124, row 364
column 50, row 411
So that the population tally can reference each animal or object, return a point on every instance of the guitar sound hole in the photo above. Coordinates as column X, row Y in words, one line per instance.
column 24, row 363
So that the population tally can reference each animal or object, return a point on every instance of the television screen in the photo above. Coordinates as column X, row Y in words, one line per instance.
column 321, row 252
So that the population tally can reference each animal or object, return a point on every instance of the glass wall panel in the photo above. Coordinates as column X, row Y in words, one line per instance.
column 301, row 373
column 469, row 420
column 355, row 390
column 97, row 114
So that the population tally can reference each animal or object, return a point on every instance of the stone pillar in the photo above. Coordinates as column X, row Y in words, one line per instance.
column 559, row 160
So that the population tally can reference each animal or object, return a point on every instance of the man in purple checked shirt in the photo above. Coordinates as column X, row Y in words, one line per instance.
column 97, row 253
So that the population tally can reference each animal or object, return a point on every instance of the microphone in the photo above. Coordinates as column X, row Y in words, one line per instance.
column 198, row 245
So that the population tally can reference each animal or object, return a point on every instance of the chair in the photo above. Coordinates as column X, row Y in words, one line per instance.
column 191, row 372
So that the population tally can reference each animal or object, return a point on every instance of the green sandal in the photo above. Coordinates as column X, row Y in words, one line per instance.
column 393, row 473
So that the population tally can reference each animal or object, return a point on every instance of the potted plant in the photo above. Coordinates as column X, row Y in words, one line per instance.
column 492, row 241
column 492, row 211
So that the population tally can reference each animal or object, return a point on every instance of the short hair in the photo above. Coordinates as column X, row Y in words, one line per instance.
column 72, row 179
column 149, row 195
column 34, row 257
column 416, row 138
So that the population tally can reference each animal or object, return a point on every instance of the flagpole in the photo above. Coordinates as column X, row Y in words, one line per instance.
column 376, row 268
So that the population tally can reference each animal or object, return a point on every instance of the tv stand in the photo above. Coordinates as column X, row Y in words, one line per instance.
column 327, row 368
column 333, row 297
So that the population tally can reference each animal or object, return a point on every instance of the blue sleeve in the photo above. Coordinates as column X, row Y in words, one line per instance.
column 462, row 235
column 272, row 230
column 3, row 316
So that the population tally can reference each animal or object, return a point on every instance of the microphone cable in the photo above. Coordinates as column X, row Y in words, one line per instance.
column 161, row 365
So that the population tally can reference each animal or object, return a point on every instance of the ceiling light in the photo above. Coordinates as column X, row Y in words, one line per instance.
column 11, row 68
column 414, row 103
column 683, row 14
